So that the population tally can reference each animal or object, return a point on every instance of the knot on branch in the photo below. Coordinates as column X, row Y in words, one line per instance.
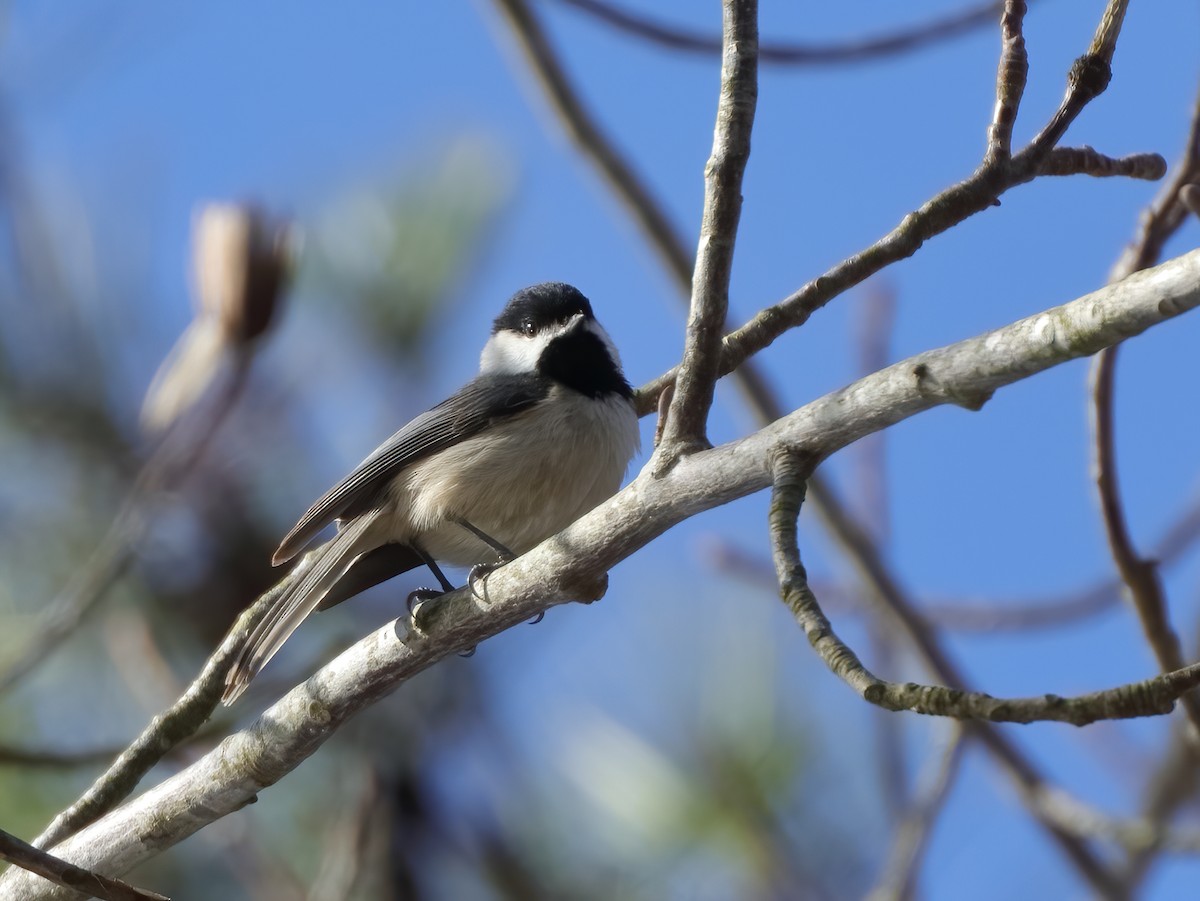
column 1089, row 76
column 929, row 385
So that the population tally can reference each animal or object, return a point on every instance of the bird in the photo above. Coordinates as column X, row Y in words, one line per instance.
column 541, row 435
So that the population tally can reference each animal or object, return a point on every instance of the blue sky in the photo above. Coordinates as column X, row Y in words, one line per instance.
column 134, row 113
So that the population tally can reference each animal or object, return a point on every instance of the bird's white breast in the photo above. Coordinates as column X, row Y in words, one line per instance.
column 520, row 481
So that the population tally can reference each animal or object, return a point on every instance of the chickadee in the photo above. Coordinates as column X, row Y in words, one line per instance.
column 542, row 435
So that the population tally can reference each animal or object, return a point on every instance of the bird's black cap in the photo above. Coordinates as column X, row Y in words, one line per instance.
column 542, row 305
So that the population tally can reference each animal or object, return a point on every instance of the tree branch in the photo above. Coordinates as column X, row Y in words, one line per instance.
column 174, row 725
column 899, row 876
column 293, row 728
column 1086, row 161
column 1150, row 697
column 791, row 53
column 981, row 190
column 1011, row 76
column 687, row 417
column 1162, row 218
column 59, row 872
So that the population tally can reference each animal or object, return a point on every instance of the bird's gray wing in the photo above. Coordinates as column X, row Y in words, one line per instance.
column 478, row 404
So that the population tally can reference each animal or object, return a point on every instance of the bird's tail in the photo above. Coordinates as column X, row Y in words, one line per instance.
column 329, row 563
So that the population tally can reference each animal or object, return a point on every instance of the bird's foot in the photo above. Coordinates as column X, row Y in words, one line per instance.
column 418, row 598
column 477, row 577
column 477, row 581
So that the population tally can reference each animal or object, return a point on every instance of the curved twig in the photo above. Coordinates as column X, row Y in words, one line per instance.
column 791, row 53
column 1150, row 697
column 1140, row 575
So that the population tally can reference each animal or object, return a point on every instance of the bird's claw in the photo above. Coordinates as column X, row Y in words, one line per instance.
column 477, row 578
column 418, row 597
column 537, row 619
column 469, row 652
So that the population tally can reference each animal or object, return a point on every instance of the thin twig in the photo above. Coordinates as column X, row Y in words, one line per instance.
column 686, row 428
column 172, row 461
column 899, row 876
column 1150, row 697
column 989, row 616
column 177, row 723
column 873, row 331
column 1011, row 76
column 1135, row 835
column 1088, row 78
column 793, row 53
column 42, row 758
column 981, row 190
column 1172, row 786
column 1141, row 577
column 68, row 875
column 886, row 590
column 1063, row 161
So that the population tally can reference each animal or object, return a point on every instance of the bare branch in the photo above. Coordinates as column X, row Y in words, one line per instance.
column 231, row 775
column 72, row 877
column 1086, row 161
column 587, row 133
column 1169, row 789
column 1087, row 80
column 178, row 454
column 981, row 190
column 1189, row 196
column 899, row 875
column 696, row 380
column 175, row 724
column 791, row 53
column 1164, row 215
column 1150, row 697
column 1011, row 75
column 1134, row 835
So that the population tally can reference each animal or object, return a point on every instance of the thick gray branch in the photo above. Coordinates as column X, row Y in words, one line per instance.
column 571, row 564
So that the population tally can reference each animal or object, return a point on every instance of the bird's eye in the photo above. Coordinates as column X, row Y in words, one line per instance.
column 527, row 327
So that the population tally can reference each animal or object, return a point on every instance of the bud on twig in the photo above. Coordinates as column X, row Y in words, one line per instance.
column 241, row 261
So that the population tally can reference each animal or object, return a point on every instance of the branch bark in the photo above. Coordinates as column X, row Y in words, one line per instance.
column 687, row 417
column 1149, row 697
column 48, row 868
column 965, row 373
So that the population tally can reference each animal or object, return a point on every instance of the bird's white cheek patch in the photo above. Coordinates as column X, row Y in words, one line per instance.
column 509, row 353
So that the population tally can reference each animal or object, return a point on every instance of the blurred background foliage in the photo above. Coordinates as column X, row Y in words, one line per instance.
column 377, row 814
column 677, row 740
